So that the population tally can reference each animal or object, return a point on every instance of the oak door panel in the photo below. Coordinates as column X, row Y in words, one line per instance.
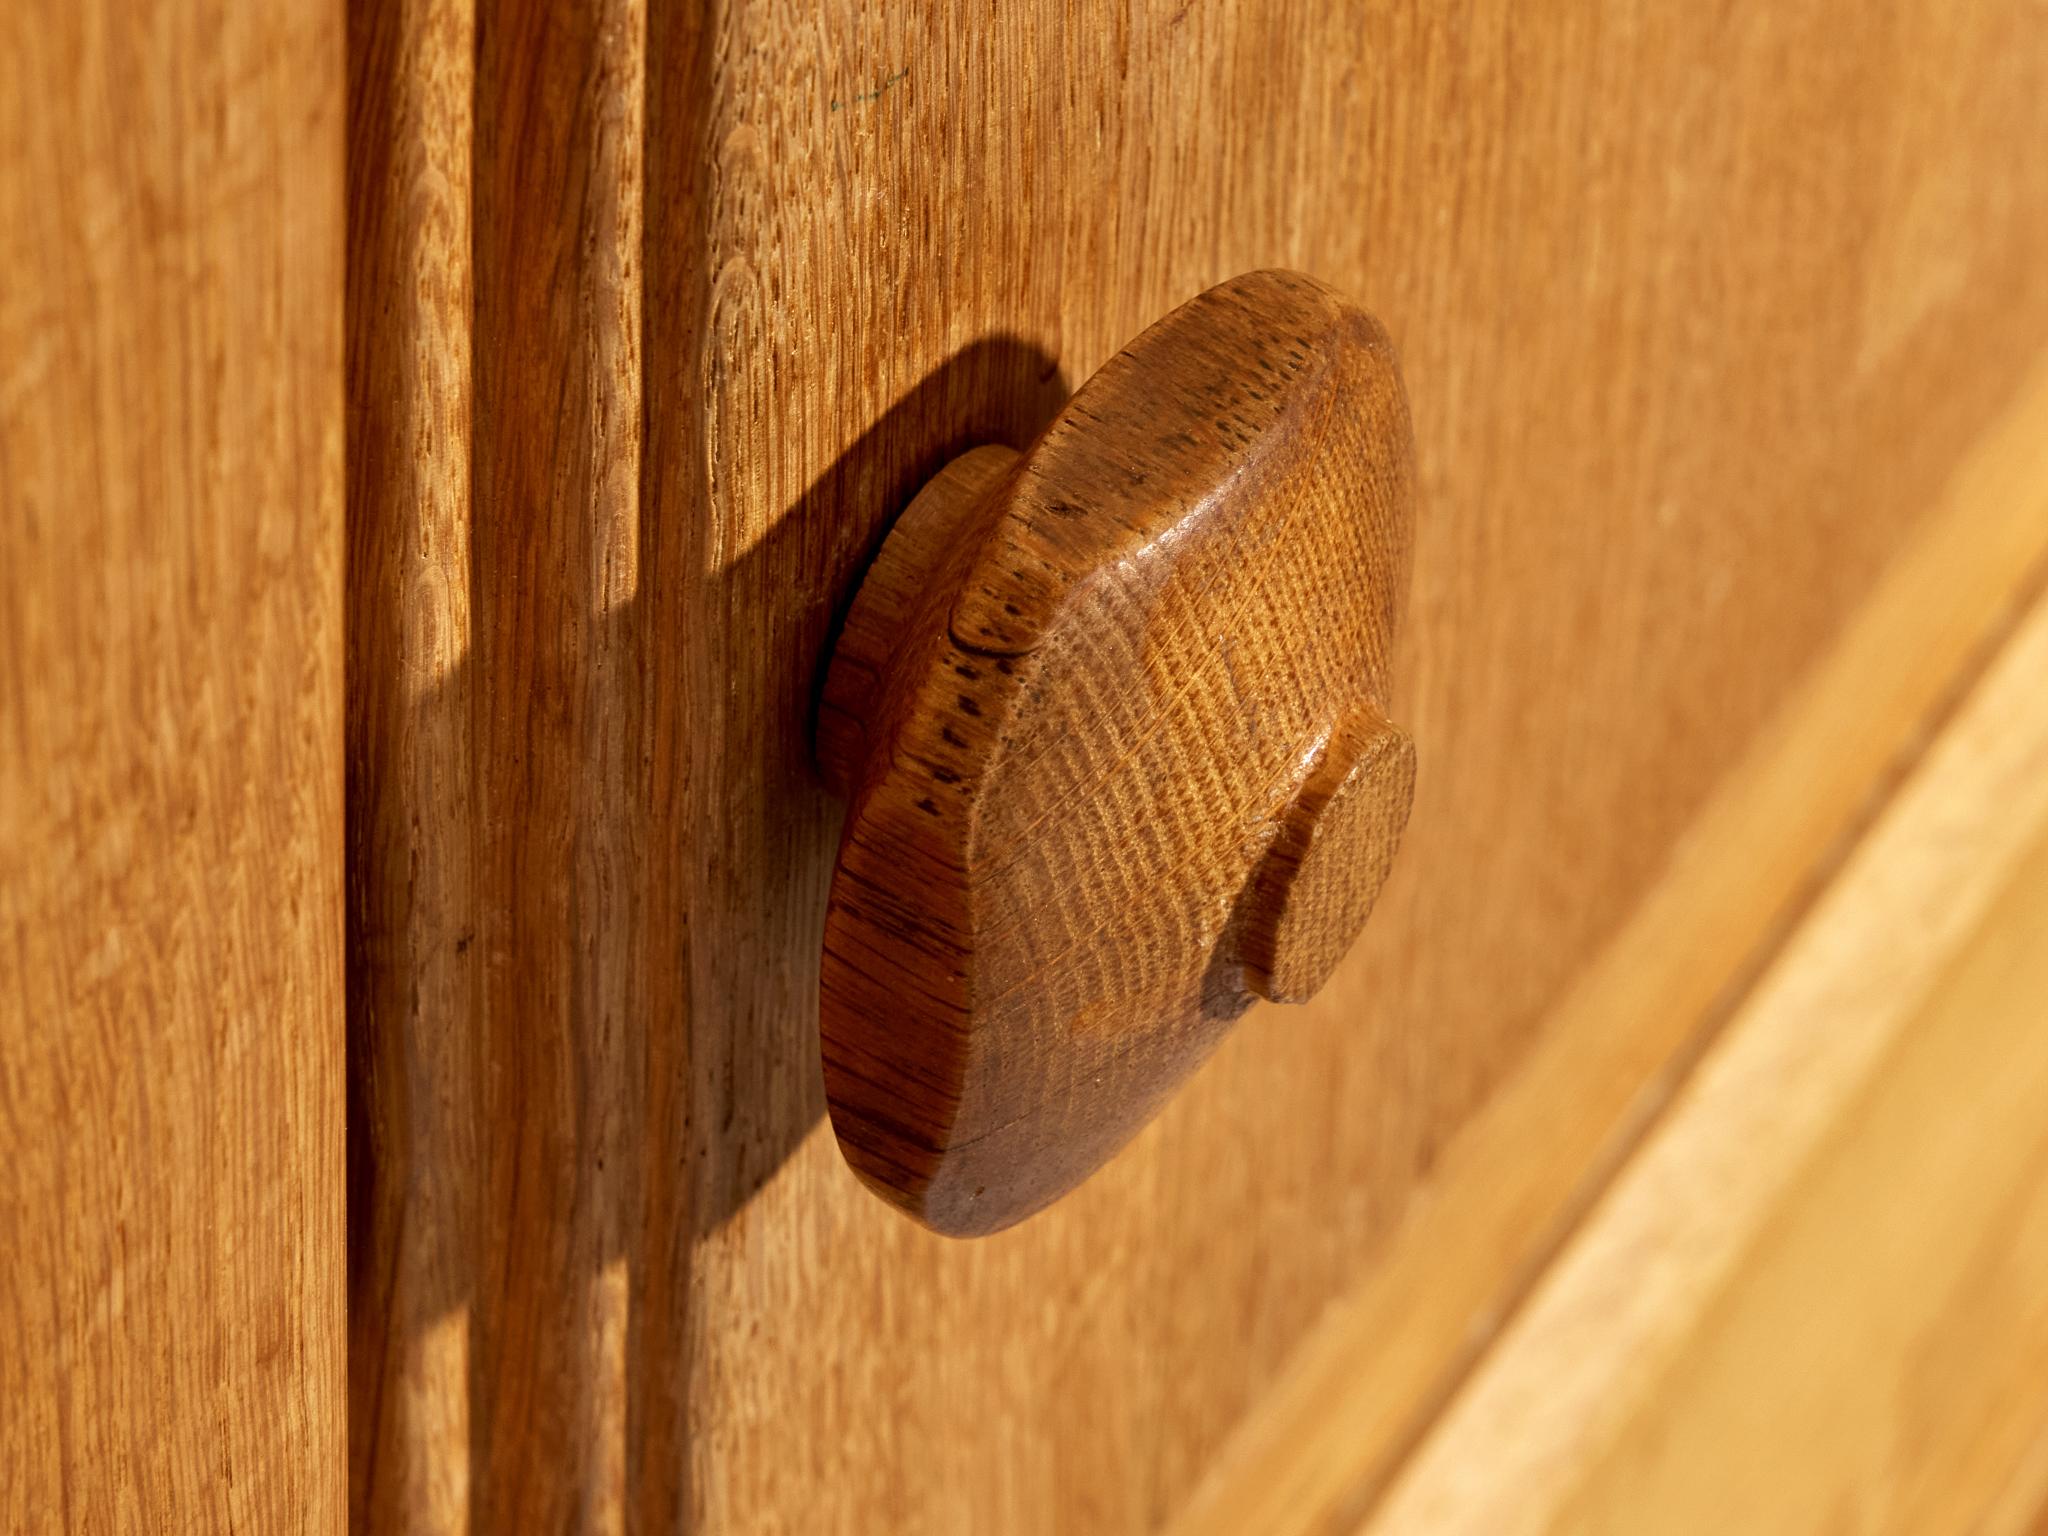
column 171, row 1028
column 670, row 312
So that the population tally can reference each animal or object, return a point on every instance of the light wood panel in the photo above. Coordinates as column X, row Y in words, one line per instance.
column 171, row 1331
column 2020, row 1508
column 1818, row 1296
column 1697, row 313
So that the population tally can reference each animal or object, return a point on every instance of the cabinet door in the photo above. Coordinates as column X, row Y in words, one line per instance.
column 657, row 316
column 171, row 1030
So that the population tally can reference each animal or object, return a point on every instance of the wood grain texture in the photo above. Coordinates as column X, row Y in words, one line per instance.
column 1817, row 1299
column 413, row 832
column 2020, row 1506
column 1121, row 764
column 1696, row 311
column 171, row 1216
column 1369, row 1379
column 515, row 981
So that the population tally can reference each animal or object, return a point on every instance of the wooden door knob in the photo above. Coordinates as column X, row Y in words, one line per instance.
column 1111, row 719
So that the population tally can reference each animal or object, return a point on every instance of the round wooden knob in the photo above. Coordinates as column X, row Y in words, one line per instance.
column 1111, row 719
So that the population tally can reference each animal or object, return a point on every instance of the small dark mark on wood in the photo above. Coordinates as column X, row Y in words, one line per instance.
column 881, row 86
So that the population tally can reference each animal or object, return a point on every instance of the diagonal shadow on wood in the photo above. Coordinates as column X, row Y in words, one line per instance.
column 766, row 829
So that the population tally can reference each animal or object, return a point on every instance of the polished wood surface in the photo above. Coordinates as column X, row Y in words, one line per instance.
column 515, row 1021
column 1696, row 315
column 1817, row 1298
column 1113, row 727
column 1321, row 1446
column 171, row 1084
column 415, row 1055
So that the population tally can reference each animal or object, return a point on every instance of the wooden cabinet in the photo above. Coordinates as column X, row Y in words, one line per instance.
column 436, row 442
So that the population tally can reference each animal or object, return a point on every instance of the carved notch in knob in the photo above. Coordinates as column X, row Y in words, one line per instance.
column 1110, row 716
